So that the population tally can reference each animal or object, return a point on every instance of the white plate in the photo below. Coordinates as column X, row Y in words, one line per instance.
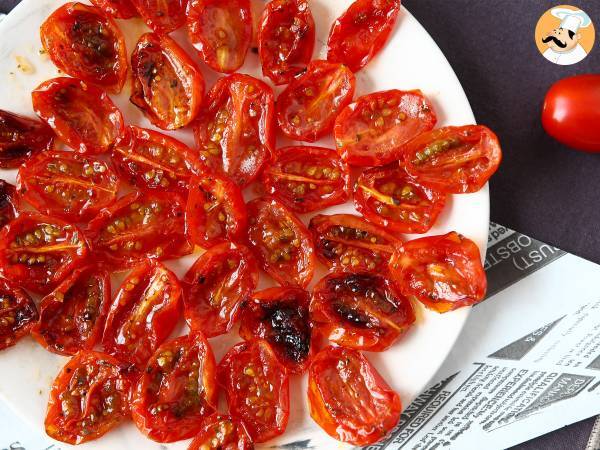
column 410, row 60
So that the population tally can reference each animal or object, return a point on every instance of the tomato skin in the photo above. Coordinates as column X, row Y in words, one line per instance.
column 95, row 382
column 167, row 85
column 221, row 432
column 18, row 313
column 251, row 370
column 307, row 108
column 571, row 113
column 162, row 16
column 286, row 29
column 372, row 130
column 8, row 203
column 442, row 272
column 20, row 138
column 360, row 417
column 177, row 390
column 84, row 43
column 307, row 178
column 120, row 9
column 360, row 33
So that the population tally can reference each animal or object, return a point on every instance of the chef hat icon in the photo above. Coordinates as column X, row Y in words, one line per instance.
column 572, row 19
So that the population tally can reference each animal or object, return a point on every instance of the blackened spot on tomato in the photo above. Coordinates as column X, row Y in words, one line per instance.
column 290, row 329
column 354, row 316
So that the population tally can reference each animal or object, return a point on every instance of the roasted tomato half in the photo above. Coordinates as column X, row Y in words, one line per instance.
column 442, row 272
column 307, row 178
column 162, row 16
column 121, row 9
column 221, row 32
column 167, row 84
column 279, row 315
column 177, row 390
column 215, row 211
column 372, row 130
column 18, row 313
column 140, row 226
column 86, row 44
column 307, row 109
column 257, row 388
column 349, row 399
column 68, row 185
column 72, row 316
column 389, row 197
column 20, row 138
column 358, row 34
column 8, row 202
column 81, row 115
column 143, row 313
column 219, row 432
column 89, row 397
column 281, row 242
column 286, row 39
column 455, row 160
column 235, row 131
column 344, row 241
column 38, row 252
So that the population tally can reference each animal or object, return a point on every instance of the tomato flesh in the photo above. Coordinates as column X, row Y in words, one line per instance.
column 8, row 202
column 221, row 432
column 18, row 313
column 20, row 138
column 162, row 16
column 120, row 9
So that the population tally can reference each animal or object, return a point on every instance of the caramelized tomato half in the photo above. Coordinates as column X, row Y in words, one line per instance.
column 18, row 313
column 219, row 432
column 8, row 202
column 20, row 138
column 162, row 16
column 121, row 9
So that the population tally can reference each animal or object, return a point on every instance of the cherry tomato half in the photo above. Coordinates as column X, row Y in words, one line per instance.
column 89, row 397
column 86, row 44
column 167, row 85
column 455, row 160
column 20, row 138
column 162, row 16
column 257, row 388
column 18, row 313
column 349, row 399
column 81, row 115
column 177, row 390
column 221, row 432
column 442, row 272
column 360, row 33
column 72, row 316
column 307, row 109
column 8, row 202
column 121, row 9
column 372, row 130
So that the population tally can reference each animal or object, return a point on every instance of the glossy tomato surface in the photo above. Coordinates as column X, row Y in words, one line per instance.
column 20, row 138
column 349, row 399
column 162, row 16
column 307, row 178
column 372, row 130
column 455, row 160
column 308, row 107
column 442, row 272
column 120, row 9
column 81, row 115
column 72, row 316
column 221, row 432
column 177, row 390
column 167, row 85
column 360, row 33
column 8, row 202
column 84, row 43
column 257, row 388
column 18, row 313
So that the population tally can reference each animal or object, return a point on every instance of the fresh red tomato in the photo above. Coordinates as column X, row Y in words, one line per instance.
column 162, row 16
column 20, row 138
column 360, row 33
column 89, row 397
column 442, row 272
column 372, row 130
column 349, row 399
column 221, row 432
column 221, row 32
column 281, row 242
column 344, row 241
column 215, row 211
column 215, row 286
column 235, row 131
column 257, row 388
column 72, row 316
column 455, row 160
column 68, row 185
column 177, row 390
column 571, row 112
column 81, row 115
column 121, row 9
column 8, row 202
column 140, row 226
column 389, row 197
column 38, row 252
column 143, row 314
column 18, row 313
column 279, row 315
column 167, row 85
column 86, row 44
column 307, row 178
column 286, row 39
